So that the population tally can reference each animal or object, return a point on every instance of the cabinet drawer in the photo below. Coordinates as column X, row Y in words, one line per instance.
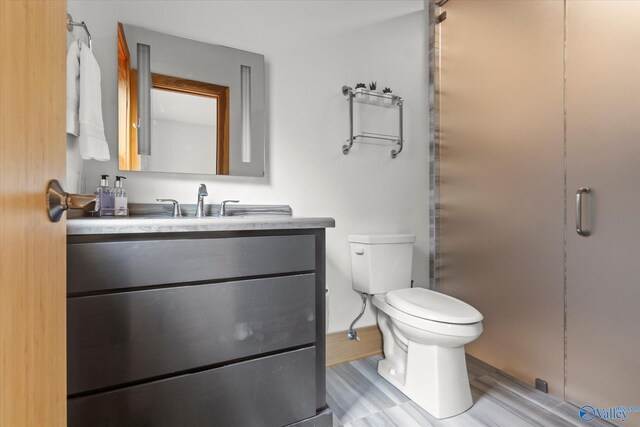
column 124, row 337
column 125, row 264
column 272, row 391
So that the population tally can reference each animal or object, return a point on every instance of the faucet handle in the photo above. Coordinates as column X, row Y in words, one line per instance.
column 223, row 206
column 177, row 212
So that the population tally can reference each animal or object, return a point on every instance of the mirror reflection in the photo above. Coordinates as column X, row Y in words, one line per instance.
column 188, row 107
column 177, row 116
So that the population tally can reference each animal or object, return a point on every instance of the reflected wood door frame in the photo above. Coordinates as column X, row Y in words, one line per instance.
column 192, row 87
column 128, row 158
column 221, row 93
column 127, row 153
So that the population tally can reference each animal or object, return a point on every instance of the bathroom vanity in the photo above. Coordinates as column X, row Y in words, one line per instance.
column 212, row 321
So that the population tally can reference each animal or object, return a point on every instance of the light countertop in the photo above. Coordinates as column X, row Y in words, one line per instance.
column 160, row 224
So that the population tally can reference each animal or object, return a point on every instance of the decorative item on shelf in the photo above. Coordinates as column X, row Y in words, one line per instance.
column 364, row 95
column 360, row 94
column 371, row 97
column 387, row 101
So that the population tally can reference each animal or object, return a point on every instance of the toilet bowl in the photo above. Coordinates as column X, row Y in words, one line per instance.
column 424, row 332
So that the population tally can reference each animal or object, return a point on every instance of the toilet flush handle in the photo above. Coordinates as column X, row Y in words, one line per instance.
column 360, row 251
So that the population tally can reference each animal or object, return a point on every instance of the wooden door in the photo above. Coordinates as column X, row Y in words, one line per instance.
column 32, row 249
column 603, row 153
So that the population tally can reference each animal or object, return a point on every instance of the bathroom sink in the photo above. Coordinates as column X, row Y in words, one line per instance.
column 206, row 218
column 159, row 211
column 258, row 210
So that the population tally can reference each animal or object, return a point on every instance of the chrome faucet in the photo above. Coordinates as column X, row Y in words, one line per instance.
column 202, row 193
column 223, row 207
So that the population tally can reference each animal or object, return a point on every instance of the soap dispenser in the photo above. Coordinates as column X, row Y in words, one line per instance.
column 120, row 198
column 105, row 197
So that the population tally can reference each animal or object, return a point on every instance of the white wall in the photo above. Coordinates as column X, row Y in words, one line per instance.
column 181, row 147
column 311, row 49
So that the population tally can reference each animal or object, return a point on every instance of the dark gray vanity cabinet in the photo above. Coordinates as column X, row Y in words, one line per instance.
column 197, row 329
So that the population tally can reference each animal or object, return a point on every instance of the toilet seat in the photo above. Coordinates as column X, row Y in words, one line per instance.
column 433, row 306
column 441, row 328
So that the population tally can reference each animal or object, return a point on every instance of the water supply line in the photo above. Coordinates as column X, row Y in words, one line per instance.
column 352, row 334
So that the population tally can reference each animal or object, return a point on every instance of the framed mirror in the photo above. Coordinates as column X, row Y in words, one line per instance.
column 186, row 106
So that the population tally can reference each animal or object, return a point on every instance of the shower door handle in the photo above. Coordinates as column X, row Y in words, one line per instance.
column 579, row 229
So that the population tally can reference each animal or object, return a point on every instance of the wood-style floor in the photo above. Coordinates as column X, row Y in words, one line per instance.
column 359, row 397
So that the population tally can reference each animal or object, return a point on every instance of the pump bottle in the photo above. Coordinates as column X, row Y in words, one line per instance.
column 105, row 197
column 120, row 198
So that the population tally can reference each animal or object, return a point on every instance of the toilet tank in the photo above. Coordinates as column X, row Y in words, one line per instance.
column 381, row 262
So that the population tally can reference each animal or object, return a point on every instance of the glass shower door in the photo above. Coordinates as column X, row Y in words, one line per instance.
column 603, row 154
column 502, row 179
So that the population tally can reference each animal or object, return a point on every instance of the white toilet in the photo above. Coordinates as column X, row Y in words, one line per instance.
column 424, row 332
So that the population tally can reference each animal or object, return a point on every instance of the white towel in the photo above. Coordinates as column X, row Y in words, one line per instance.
column 93, row 144
column 73, row 88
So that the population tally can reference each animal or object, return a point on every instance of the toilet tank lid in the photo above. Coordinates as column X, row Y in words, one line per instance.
column 376, row 239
